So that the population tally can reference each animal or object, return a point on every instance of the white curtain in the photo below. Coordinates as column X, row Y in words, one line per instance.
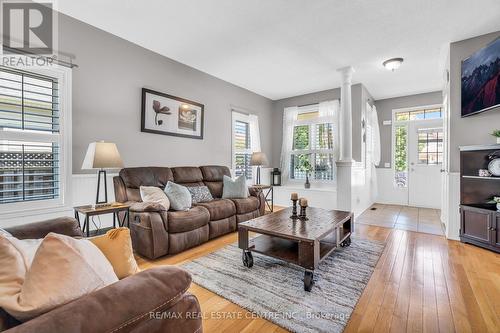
column 376, row 136
column 329, row 110
column 253, row 120
column 289, row 117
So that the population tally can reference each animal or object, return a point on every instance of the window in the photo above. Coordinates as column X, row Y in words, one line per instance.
column 246, row 140
column 401, row 155
column 434, row 113
column 430, row 146
column 312, row 146
column 242, row 149
column 30, row 137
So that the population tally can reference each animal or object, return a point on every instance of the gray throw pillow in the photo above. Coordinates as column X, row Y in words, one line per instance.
column 235, row 189
column 200, row 194
column 179, row 196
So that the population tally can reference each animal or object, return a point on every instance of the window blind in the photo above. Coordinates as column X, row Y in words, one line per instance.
column 29, row 113
column 242, row 151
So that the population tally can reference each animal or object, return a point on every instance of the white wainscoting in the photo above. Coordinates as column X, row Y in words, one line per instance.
column 317, row 197
column 83, row 188
column 453, row 215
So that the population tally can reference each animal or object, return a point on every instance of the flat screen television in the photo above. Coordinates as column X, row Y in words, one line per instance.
column 481, row 80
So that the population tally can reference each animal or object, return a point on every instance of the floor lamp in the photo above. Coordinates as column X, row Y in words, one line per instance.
column 101, row 156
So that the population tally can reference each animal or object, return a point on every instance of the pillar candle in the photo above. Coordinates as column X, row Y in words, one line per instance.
column 294, row 196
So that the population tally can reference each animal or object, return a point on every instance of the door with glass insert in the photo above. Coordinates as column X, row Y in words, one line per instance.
column 425, row 156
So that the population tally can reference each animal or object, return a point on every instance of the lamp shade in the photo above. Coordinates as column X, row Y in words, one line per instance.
column 102, row 155
column 259, row 159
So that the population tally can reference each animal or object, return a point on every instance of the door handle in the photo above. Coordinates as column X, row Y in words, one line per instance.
column 442, row 170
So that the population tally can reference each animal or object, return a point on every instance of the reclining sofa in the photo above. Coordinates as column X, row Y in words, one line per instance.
column 156, row 232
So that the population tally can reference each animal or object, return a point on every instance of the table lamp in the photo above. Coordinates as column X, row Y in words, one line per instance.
column 258, row 159
column 102, row 155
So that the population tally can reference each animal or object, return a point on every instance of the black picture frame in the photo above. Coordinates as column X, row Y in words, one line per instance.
column 144, row 126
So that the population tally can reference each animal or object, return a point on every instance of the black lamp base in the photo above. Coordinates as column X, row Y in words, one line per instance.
column 103, row 173
column 257, row 180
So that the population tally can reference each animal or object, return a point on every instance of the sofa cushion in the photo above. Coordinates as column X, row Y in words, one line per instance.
column 154, row 194
column 246, row 205
column 235, row 188
column 179, row 196
column 219, row 208
column 200, row 194
column 187, row 175
column 146, row 176
column 183, row 221
column 214, row 173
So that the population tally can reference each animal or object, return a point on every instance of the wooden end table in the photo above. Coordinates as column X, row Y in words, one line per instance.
column 115, row 208
column 268, row 192
column 303, row 243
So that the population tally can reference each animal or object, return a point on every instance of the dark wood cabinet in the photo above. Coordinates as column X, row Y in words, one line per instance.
column 495, row 231
column 476, row 223
column 479, row 220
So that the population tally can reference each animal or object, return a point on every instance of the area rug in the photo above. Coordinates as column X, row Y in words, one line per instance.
column 274, row 290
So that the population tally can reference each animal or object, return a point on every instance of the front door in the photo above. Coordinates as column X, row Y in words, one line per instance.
column 425, row 157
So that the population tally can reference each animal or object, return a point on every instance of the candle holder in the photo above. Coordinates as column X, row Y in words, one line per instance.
column 302, row 215
column 294, row 209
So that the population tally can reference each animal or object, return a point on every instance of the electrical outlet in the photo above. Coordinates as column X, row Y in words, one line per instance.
column 387, row 165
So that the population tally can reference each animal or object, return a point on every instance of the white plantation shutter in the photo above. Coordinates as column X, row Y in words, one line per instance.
column 29, row 137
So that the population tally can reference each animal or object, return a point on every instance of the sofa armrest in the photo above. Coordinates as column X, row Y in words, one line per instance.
column 62, row 225
column 120, row 189
column 259, row 195
column 138, row 303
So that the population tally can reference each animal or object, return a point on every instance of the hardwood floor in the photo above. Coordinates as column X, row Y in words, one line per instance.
column 422, row 283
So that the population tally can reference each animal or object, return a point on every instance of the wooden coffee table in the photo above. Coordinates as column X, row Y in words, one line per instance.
column 303, row 243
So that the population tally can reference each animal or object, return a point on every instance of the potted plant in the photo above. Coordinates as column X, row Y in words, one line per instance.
column 496, row 134
column 305, row 166
column 497, row 201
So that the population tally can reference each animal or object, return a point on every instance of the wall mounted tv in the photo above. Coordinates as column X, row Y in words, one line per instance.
column 481, row 80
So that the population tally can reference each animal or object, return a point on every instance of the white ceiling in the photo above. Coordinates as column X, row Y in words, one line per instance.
column 283, row 48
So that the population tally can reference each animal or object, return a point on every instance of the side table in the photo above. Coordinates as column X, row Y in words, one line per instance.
column 268, row 192
column 115, row 208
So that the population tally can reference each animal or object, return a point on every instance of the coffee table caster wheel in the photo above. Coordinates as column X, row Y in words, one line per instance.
column 247, row 259
column 346, row 242
column 308, row 280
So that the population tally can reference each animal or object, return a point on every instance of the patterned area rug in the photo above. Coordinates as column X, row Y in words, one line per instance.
column 273, row 289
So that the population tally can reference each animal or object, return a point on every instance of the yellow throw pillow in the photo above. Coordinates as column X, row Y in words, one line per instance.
column 116, row 246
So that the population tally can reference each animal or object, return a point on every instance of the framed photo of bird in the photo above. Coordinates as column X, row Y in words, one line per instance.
column 169, row 115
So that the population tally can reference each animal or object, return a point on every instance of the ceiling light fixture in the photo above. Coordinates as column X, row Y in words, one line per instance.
column 393, row 64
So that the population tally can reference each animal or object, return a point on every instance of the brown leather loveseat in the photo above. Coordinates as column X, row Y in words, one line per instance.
column 156, row 232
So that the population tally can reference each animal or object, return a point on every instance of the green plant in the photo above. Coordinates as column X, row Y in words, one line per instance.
column 495, row 200
column 496, row 133
column 304, row 165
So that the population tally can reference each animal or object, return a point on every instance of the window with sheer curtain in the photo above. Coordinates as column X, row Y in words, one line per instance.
column 246, row 140
column 312, row 140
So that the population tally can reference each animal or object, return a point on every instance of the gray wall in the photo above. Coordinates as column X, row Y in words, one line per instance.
column 474, row 129
column 107, row 101
column 384, row 112
column 359, row 96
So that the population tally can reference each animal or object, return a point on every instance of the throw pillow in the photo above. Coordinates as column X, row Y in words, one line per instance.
column 200, row 194
column 234, row 189
column 179, row 196
column 63, row 269
column 116, row 245
column 154, row 194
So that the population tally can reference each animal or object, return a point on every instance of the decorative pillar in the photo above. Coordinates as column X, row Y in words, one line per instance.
column 344, row 164
column 346, row 114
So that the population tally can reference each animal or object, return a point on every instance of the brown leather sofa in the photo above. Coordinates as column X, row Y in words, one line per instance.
column 156, row 232
column 154, row 300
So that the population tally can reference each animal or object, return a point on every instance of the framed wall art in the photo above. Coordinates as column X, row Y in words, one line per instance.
column 170, row 115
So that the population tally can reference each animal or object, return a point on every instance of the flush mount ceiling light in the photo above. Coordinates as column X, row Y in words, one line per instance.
column 393, row 64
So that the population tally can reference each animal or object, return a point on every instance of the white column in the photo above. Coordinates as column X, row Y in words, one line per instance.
column 346, row 114
column 344, row 164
